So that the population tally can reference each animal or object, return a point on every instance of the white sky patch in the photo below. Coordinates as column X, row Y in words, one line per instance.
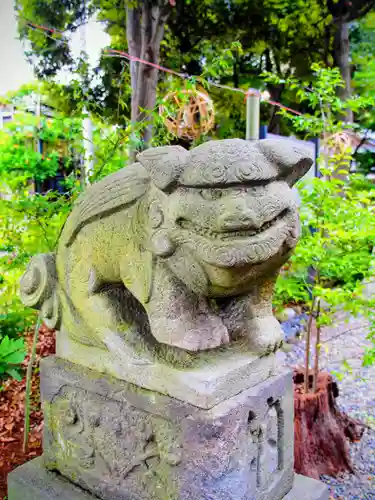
column 92, row 39
column 14, row 68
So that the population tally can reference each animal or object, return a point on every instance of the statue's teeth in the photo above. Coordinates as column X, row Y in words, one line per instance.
column 208, row 233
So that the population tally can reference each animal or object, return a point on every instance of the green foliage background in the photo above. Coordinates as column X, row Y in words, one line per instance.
column 30, row 222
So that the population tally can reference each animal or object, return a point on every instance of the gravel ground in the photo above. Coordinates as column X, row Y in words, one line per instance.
column 342, row 343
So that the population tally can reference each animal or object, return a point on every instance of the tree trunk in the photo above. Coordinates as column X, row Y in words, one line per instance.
column 327, row 45
column 145, row 31
column 274, row 126
column 321, row 430
column 342, row 60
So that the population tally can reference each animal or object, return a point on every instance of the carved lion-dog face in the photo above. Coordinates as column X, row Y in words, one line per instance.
column 233, row 211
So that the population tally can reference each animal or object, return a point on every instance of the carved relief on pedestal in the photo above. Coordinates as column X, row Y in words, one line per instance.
column 266, row 440
column 105, row 438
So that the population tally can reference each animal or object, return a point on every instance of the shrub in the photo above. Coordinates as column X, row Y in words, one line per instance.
column 12, row 354
column 334, row 255
column 30, row 222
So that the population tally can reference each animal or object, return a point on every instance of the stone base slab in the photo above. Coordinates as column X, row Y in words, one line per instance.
column 33, row 482
column 305, row 488
column 121, row 442
column 214, row 378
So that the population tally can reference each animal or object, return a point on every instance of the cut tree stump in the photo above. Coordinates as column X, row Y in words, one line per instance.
column 322, row 431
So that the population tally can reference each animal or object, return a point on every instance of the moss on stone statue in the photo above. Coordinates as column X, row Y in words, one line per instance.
column 175, row 255
column 60, row 450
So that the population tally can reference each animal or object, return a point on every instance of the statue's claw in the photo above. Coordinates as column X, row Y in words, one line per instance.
column 199, row 333
column 206, row 336
column 264, row 334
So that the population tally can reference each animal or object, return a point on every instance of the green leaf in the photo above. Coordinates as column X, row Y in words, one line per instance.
column 14, row 373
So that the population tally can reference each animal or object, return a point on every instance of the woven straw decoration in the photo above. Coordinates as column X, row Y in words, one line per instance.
column 340, row 142
column 190, row 113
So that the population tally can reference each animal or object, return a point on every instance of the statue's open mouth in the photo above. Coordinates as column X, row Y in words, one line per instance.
column 232, row 233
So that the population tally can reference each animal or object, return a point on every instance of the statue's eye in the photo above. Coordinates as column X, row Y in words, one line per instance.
column 212, row 194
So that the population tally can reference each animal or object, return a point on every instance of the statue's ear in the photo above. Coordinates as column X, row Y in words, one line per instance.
column 164, row 164
column 136, row 274
column 292, row 159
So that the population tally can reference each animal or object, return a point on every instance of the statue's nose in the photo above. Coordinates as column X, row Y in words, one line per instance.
column 238, row 217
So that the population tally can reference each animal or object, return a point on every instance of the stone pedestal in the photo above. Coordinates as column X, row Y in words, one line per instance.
column 115, row 441
column 212, row 378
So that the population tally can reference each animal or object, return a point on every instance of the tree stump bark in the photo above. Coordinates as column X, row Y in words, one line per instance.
column 322, row 431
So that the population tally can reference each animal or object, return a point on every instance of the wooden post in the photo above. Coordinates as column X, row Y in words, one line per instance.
column 88, row 147
column 38, row 145
column 317, row 350
column 307, row 350
column 38, row 114
column 88, row 161
column 252, row 114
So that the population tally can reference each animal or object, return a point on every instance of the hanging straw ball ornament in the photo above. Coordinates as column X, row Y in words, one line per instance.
column 188, row 113
column 340, row 142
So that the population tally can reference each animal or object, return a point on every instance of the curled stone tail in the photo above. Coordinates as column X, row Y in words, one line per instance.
column 38, row 288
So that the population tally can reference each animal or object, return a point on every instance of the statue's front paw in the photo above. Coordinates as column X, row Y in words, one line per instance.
column 208, row 333
column 117, row 346
column 264, row 334
column 191, row 333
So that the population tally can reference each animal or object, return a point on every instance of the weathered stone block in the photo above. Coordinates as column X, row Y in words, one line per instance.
column 32, row 481
column 307, row 488
column 121, row 442
column 207, row 382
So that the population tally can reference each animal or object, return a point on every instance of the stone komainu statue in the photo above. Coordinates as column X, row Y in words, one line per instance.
column 182, row 248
